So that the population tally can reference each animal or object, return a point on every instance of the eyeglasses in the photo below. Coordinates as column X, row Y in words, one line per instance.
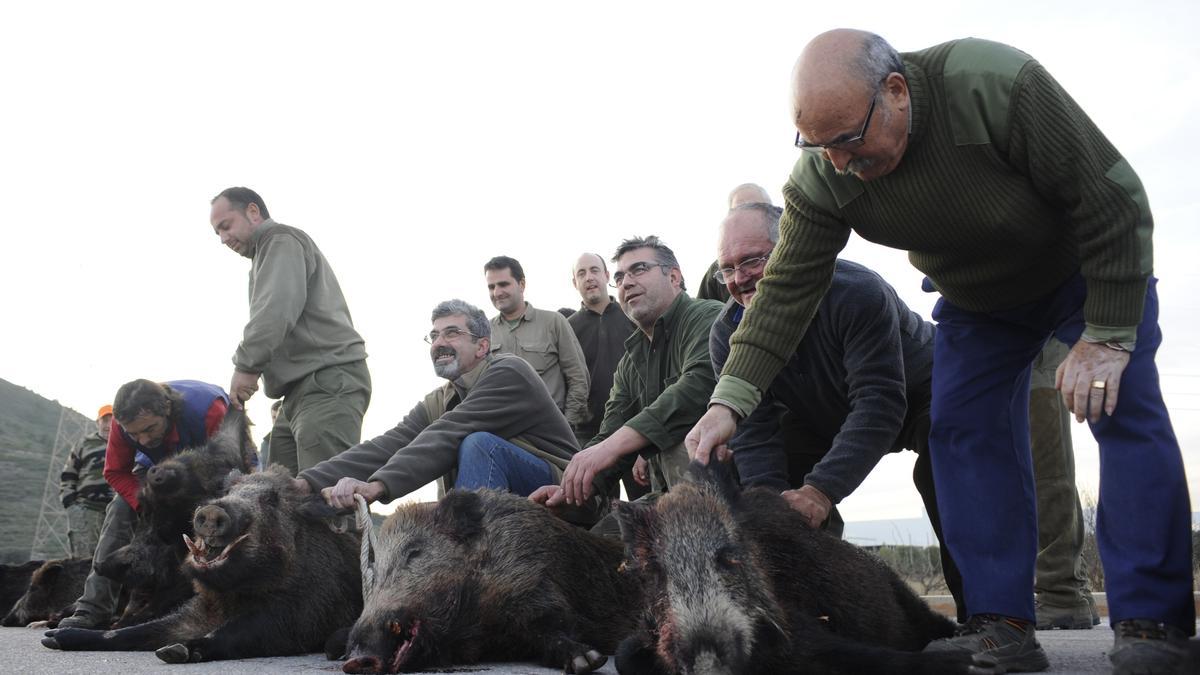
column 845, row 143
column 447, row 334
column 749, row 266
column 635, row 270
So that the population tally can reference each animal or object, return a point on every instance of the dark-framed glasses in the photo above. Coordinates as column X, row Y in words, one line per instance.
column 447, row 334
column 635, row 270
column 749, row 266
column 841, row 143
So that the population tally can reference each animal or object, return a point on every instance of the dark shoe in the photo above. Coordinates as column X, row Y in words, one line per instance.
column 1145, row 647
column 1008, row 644
column 1080, row 617
column 83, row 619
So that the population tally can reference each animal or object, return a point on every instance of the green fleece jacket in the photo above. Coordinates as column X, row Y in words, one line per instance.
column 299, row 321
column 1006, row 189
column 503, row 395
column 661, row 386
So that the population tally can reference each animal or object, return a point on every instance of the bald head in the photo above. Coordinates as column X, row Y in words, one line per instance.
column 589, row 276
column 838, row 66
column 748, row 193
column 850, row 100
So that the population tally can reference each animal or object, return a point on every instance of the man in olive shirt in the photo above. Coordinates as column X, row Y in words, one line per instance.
column 542, row 338
column 662, row 382
column 491, row 425
column 299, row 339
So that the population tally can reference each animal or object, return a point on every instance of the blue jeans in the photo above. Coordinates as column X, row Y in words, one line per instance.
column 488, row 461
column 979, row 444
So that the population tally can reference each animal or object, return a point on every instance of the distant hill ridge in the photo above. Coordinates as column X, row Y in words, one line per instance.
column 28, row 423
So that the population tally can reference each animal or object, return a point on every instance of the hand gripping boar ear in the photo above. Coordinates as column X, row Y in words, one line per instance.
column 739, row 585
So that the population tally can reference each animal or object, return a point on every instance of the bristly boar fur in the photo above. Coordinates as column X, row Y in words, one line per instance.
column 150, row 565
column 51, row 592
column 491, row 575
column 14, row 582
column 736, row 582
column 271, row 576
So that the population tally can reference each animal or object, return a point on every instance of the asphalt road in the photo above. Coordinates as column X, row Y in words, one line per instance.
column 1072, row 652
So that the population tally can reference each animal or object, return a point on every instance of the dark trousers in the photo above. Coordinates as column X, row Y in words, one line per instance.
column 982, row 465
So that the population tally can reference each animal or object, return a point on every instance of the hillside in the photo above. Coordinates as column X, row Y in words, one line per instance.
column 28, row 423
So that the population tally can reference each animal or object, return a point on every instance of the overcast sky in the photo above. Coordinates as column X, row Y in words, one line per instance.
column 415, row 142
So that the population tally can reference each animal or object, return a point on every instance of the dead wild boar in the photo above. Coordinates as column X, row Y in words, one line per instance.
column 53, row 589
column 150, row 566
column 14, row 581
column 489, row 575
column 736, row 582
column 271, row 577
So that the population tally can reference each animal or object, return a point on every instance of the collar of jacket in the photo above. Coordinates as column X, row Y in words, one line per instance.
column 463, row 384
column 918, row 97
column 662, row 327
column 256, row 236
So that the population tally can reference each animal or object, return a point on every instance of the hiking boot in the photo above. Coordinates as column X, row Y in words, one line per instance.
column 1080, row 617
column 1002, row 643
column 1146, row 647
column 83, row 619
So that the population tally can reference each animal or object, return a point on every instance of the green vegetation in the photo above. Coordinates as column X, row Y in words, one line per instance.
column 28, row 423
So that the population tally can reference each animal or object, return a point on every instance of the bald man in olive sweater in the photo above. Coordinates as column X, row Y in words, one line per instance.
column 1032, row 227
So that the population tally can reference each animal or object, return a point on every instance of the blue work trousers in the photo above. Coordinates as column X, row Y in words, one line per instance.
column 487, row 461
column 979, row 444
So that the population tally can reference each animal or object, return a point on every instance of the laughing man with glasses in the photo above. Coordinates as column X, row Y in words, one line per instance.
column 493, row 424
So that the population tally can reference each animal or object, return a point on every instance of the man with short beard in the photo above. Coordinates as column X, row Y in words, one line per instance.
column 662, row 383
column 492, row 425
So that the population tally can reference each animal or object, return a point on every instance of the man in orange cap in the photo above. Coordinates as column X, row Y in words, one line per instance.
column 84, row 492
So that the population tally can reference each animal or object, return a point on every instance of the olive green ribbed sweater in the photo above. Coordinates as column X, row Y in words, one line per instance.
column 1005, row 190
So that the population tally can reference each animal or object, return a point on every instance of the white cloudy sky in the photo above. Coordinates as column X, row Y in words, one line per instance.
column 414, row 143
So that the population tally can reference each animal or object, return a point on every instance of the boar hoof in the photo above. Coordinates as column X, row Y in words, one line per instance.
column 50, row 642
column 176, row 653
column 586, row 663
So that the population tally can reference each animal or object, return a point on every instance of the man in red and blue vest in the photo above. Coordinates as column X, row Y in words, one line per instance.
column 154, row 421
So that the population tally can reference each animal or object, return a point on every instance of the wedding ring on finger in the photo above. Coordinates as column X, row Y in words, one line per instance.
column 1098, row 384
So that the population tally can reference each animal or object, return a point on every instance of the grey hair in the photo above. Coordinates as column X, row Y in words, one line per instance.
column 663, row 254
column 877, row 60
column 477, row 322
column 770, row 216
column 762, row 191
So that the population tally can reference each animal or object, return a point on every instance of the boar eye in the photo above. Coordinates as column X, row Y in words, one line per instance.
column 412, row 553
column 728, row 557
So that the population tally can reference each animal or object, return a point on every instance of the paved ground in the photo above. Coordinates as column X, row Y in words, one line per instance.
column 20, row 651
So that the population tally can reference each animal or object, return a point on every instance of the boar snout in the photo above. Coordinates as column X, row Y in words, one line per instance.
column 211, row 522
column 363, row 664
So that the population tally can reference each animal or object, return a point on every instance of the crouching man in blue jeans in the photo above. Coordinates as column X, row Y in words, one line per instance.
column 493, row 424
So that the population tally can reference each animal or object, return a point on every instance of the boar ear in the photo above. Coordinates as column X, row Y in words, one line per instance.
column 231, row 479
column 720, row 477
column 637, row 521
column 48, row 573
column 460, row 515
column 314, row 508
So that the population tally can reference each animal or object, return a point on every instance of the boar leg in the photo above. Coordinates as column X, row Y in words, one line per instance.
column 246, row 636
column 145, row 637
column 636, row 656
column 560, row 649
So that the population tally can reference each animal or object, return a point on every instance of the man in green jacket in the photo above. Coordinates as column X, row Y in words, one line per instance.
column 1031, row 226
column 84, row 492
column 299, row 339
column 662, row 383
column 493, row 424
